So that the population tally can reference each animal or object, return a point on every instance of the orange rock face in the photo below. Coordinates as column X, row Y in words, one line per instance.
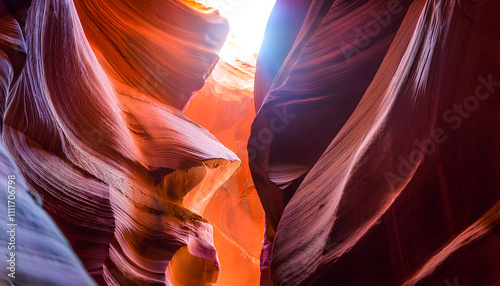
column 95, row 125
column 225, row 107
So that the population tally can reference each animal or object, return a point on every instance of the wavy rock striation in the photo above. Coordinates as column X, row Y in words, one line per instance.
column 386, row 163
column 33, row 249
column 42, row 255
column 95, row 127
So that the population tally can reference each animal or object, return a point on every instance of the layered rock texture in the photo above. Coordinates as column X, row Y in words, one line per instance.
column 375, row 143
column 358, row 148
column 94, row 122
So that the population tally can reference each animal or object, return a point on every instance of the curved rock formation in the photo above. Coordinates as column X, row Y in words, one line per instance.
column 93, row 130
column 30, row 238
column 35, row 250
column 372, row 149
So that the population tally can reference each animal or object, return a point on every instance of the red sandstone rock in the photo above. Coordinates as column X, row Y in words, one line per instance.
column 358, row 203
column 122, row 171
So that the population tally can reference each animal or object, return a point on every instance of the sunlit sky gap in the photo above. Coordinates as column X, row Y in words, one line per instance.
column 247, row 18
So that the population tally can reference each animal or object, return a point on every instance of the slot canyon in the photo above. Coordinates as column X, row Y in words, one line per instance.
column 250, row 142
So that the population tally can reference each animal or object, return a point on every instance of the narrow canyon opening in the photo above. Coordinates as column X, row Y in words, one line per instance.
column 225, row 107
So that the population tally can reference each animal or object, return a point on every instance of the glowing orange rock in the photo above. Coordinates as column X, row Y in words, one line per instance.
column 225, row 107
